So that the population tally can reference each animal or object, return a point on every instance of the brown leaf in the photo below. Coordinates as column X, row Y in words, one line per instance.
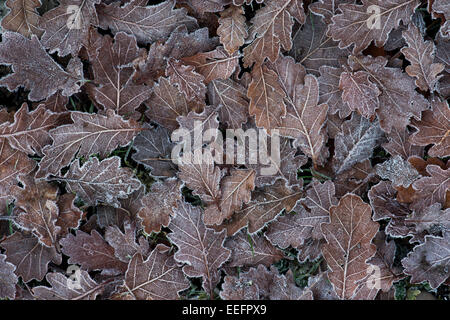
column 23, row 17
column 236, row 190
column 124, row 244
column 29, row 256
column 431, row 220
column 360, row 24
column 180, row 44
column 327, row 8
column 100, row 181
column 212, row 65
column 421, row 55
column 356, row 179
column 231, row 97
column 62, row 290
column 69, row 215
column 232, row 29
column 240, row 288
column 202, row 6
column 251, row 250
column 89, row 134
column 399, row 144
column 429, row 261
column 398, row 100
column 433, row 128
column 266, row 98
column 313, row 48
column 8, row 279
column 272, row 28
column 432, row 189
column 349, row 234
column 147, row 23
column 387, row 273
column 288, row 230
column 321, row 287
column 189, row 82
column 305, row 120
column 158, row 204
column 35, row 70
column 156, row 278
column 67, row 25
column 198, row 246
column 356, row 142
column 154, row 150
column 29, row 132
column 359, row 93
column 37, row 211
column 91, row 252
column 56, row 103
column 330, row 93
column 385, row 206
column 113, row 87
column 166, row 103
column 266, row 204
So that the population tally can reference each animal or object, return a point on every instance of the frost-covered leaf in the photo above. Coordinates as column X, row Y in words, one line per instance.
column 421, row 55
column 359, row 92
column 204, row 180
column 326, row 9
column 63, row 289
column 189, row 82
column 356, row 179
column 23, row 17
column 154, row 150
column 384, row 277
column 313, row 48
column 251, row 250
column 67, row 25
column 232, row 28
column 29, row 132
column 432, row 189
column 203, row 6
column 398, row 100
column 330, row 93
column 236, row 190
column 56, row 103
column 431, row 220
column 124, row 243
column 272, row 28
column 147, row 23
column 429, row 261
column 89, row 134
column 231, row 97
column 321, row 287
column 8, row 279
column 158, row 204
column 113, row 87
column 266, row 204
column 166, row 103
column 212, row 65
column 156, row 278
column 305, row 120
column 373, row 20
column 356, row 142
column 69, row 215
column 400, row 145
column 199, row 247
column 383, row 199
column 266, row 98
column 91, row 252
column 240, row 288
column 100, row 181
column 288, row 230
column 434, row 129
column 37, row 210
column 35, row 70
column 349, row 234
column 399, row 171
column 30, row 257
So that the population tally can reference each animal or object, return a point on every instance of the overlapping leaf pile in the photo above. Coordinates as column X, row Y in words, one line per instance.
column 92, row 207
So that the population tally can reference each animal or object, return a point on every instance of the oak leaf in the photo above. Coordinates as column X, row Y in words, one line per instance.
column 23, row 17
column 232, row 28
column 349, row 234
column 35, row 70
column 189, row 82
column 8, row 279
column 199, row 247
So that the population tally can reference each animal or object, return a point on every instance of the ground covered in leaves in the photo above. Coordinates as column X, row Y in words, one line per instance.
column 93, row 207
